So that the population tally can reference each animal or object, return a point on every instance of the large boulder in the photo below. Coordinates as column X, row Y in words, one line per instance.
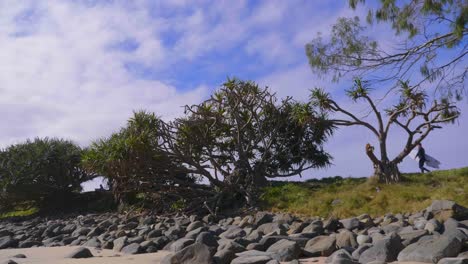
column 268, row 228
column 132, row 249
column 285, row 250
column 251, row 260
column 411, row 236
column 443, row 209
column 453, row 261
column 208, row 239
column 314, row 229
column 320, row 246
column 262, row 218
column 341, row 256
column 80, row 252
column 346, row 239
column 120, row 243
column 431, row 249
column 194, row 254
column 253, row 257
column 233, row 232
column 8, row 242
column 385, row 250
column 350, row 223
column 179, row 244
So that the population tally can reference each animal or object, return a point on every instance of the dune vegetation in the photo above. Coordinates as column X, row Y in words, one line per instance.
column 344, row 197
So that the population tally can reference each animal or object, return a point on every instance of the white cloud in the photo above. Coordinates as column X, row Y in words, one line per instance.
column 63, row 80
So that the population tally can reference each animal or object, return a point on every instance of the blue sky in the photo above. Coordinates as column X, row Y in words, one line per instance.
column 77, row 69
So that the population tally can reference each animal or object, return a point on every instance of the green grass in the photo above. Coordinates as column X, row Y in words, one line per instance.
column 19, row 212
column 354, row 196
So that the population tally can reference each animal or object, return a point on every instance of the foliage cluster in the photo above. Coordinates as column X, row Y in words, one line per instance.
column 41, row 172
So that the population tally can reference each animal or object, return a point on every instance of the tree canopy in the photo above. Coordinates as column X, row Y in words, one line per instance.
column 431, row 44
column 40, row 171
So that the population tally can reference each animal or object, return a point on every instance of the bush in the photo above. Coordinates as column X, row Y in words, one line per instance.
column 137, row 166
column 42, row 172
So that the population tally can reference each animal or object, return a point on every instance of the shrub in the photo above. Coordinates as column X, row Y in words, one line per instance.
column 42, row 172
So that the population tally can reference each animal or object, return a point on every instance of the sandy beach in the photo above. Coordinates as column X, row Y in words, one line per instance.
column 57, row 255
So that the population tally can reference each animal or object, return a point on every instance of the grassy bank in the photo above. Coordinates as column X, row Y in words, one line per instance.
column 353, row 196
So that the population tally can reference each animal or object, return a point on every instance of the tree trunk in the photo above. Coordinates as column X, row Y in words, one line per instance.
column 387, row 172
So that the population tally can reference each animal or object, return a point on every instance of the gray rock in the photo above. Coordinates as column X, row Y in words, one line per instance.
column 332, row 224
column 296, row 227
column 262, row 218
column 391, row 228
column 285, row 250
column 82, row 231
column 179, row 244
column 19, row 256
column 208, row 239
column 194, row 254
column 453, row 261
column 255, row 246
column 357, row 253
column 283, row 218
column 93, row 242
column 420, row 223
column 363, row 239
column 443, row 209
column 132, row 249
column 412, row 236
column 385, row 250
column 346, row 238
column 340, row 256
column 95, row 232
column 224, row 256
column 120, row 243
column 233, row 232
column 107, row 245
column 80, row 252
column 320, row 246
column 433, row 226
column 137, row 239
column 431, row 249
column 194, row 233
column 271, row 227
column 315, row 228
column 350, row 223
column 10, row 261
column 230, row 245
column 29, row 243
column 267, row 241
column 8, row 242
column 174, row 232
column 154, row 233
column 160, row 242
column 194, row 225
column 254, row 236
column 251, row 260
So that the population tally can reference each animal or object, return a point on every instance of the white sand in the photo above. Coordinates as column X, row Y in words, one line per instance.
column 57, row 255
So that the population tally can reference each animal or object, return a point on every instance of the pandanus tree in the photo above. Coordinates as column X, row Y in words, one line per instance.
column 410, row 113
column 243, row 135
column 136, row 165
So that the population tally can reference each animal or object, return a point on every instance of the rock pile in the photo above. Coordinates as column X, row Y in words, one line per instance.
column 438, row 234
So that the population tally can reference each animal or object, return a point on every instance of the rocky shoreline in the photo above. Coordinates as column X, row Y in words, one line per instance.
column 438, row 234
